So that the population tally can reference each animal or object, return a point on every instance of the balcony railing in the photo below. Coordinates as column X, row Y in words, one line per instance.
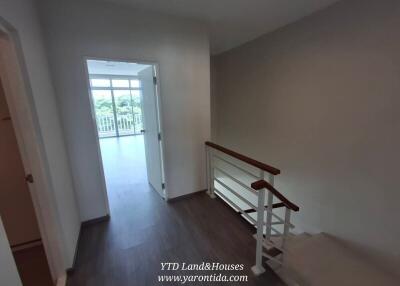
column 126, row 125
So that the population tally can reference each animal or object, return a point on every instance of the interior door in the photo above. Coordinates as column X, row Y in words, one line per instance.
column 16, row 206
column 151, row 129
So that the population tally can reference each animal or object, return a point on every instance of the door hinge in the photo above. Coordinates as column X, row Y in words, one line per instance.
column 163, row 186
column 155, row 80
column 159, row 136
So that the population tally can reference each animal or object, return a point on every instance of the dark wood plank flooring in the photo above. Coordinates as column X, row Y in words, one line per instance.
column 144, row 231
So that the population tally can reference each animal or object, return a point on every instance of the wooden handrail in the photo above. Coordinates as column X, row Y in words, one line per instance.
column 255, row 163
column 261, row 184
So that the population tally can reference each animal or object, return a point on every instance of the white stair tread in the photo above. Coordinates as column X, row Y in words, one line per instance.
column 292, row 240
column 321, row 260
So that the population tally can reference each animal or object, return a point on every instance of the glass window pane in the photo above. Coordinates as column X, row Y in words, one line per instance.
column 136, row 97
column 123, row 101
column 124, row 112
column 100, row 82
column 102, row 101
column 101, row 94
column 120, row 83
column 135, row 83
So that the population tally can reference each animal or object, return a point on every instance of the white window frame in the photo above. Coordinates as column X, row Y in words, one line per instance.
column 112, row 89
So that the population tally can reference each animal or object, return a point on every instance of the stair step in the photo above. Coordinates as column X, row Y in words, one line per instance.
column 292, row 240
column 323, row 260
column 273, row 252
column 271, row 255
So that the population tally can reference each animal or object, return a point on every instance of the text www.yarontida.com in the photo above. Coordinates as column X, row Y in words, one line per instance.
column 202, row 278
column 214, row 266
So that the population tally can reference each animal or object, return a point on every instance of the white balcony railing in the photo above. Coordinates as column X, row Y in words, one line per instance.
column 126, row 125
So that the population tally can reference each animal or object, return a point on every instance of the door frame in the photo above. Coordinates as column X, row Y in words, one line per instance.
column 159, row 112
column 19, row 98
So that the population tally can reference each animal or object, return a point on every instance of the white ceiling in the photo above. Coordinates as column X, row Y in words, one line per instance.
column 114, row 68
column 234, row 22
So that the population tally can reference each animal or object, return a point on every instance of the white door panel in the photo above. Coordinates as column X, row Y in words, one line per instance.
column 151, row 129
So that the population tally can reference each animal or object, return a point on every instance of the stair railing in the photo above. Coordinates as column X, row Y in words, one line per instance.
column 248, row 197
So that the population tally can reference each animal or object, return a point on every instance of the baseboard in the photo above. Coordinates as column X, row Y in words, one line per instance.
column 62, row 281
column 26, row 245
column 185, row 196
column 84, row 224
column 95, row 220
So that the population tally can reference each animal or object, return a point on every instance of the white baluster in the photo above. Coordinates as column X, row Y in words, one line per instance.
column 286, row 229
column 258, row 268
column 270, row 202
column 211, row 172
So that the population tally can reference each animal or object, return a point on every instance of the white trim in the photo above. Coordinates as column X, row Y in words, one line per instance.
column 114, row 88
column 26, row 246
column 23, row 113
column 156, row 70
column 112, row 76
column 62, row 280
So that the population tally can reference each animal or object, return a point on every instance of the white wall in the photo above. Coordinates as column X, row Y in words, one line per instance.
column 21, row 15
column 319, row 100
column 75, row 29
column 8, row 270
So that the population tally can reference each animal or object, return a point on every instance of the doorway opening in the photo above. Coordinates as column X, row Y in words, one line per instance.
column 126, row 113
column 20, row 227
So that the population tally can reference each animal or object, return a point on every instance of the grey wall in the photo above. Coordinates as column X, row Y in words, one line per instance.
column 319, row 99
column 75, row 29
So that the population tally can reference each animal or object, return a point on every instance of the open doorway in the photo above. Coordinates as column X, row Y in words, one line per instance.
column 17, row 209
column 126, row 110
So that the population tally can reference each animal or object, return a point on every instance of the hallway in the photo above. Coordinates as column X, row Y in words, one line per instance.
column 145, row 231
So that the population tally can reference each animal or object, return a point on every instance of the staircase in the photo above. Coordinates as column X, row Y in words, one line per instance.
column 247, row 186
column 322, row 260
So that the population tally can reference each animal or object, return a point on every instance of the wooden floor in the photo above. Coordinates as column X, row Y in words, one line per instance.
column 145, row 231
column 32, row 267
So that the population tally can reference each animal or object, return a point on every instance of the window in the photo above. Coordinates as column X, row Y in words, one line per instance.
column 120, row 83
column 117, row 104
column 98, row 82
